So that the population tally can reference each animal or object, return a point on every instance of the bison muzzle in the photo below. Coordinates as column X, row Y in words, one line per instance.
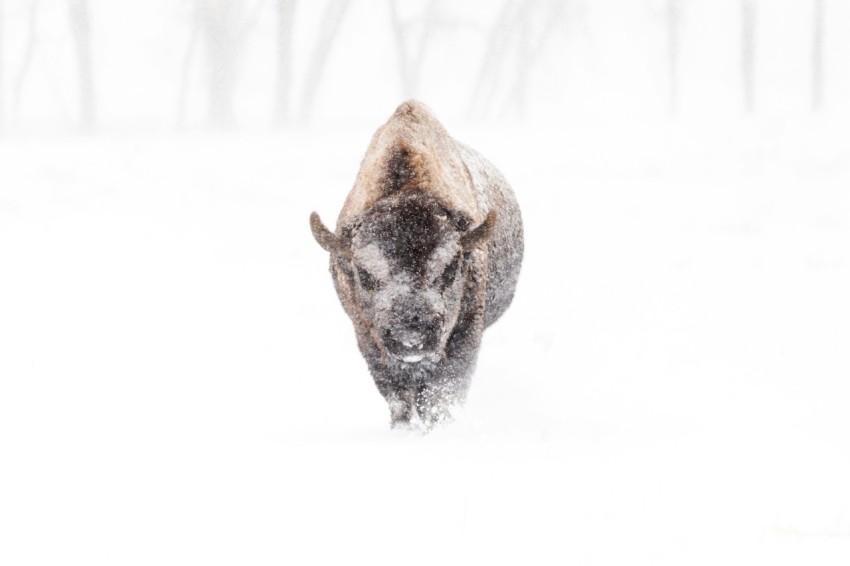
column 426, row 254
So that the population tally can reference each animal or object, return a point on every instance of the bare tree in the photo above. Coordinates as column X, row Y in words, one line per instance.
column 2, row 68
column 331, row 22
column 548, row 15
column 283, row 80
column 410, row 57
column 519, row 35
column 673, row 21
column 185, row 70
column 26, row 62
column 748, row 44
column 219, row 32
column 817, row 56
column 494, row 59
column 81, row 28
column 223, row 25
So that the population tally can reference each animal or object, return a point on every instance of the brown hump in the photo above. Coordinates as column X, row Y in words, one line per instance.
column 412, row 151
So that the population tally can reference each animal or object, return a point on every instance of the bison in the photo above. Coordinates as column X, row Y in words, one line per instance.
column 426, row 255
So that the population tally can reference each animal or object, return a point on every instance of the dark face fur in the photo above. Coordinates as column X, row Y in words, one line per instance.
column 407, row 272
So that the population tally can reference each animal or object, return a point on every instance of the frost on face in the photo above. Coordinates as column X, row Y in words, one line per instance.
column 370, row 259
column 440, row 261
column 406, row 262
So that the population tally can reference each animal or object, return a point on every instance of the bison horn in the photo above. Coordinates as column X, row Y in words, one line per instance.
column 327, row 239
column 479, row 235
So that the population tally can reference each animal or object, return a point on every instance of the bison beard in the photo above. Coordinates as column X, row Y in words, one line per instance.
column 426, row 254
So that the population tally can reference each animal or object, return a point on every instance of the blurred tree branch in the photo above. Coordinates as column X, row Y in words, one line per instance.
column 2, row 68
column 817, row 56
column 185, row 71
column 26, row 62
column 283, row 78
column 519, row 34
column 494, row 58
column 224, row 26
column 410, row 60
column 81, row 28
column 331, row 23
column 529, row 51
column 674, row 16
column 748, row 51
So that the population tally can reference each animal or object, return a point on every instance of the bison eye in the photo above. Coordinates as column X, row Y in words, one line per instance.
column 449, row 274
column 368, row 282
column 345, row 266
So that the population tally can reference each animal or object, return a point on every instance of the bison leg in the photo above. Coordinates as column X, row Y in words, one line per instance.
column 436, row 400
column 402, row 407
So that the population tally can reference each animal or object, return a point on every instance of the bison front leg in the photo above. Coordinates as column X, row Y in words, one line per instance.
column 401, row 401
column 437, row 400
column 402, row 406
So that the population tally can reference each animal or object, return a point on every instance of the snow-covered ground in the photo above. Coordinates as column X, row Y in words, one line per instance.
column 179, row 384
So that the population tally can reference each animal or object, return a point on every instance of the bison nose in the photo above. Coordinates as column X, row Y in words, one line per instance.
column 402, row 341
column 412, row 342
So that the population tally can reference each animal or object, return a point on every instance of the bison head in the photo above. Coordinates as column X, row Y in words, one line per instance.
column 402, row 266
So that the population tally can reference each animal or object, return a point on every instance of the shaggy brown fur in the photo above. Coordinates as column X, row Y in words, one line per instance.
column 412, row 150
column 426, row 254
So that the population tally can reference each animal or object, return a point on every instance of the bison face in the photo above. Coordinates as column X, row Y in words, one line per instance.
column 403, row 266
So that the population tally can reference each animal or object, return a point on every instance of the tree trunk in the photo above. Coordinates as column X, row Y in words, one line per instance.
column 401, row 51
column 410, row 56
column 748, row 17
column 331, row 22
column 524, row 60
column 817, row 57
column 21, row 76
column 528, row 54
column 2, row 69
column 80, row 26
column 501, row 34
column 283, row 81
column 217, row 20
column 673, row 19
column 185, row 72
column 222, row 93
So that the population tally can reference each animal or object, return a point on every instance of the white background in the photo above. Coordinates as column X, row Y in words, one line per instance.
column 179, row 384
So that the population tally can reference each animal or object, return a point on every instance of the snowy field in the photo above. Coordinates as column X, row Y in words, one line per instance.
column 179, row 384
